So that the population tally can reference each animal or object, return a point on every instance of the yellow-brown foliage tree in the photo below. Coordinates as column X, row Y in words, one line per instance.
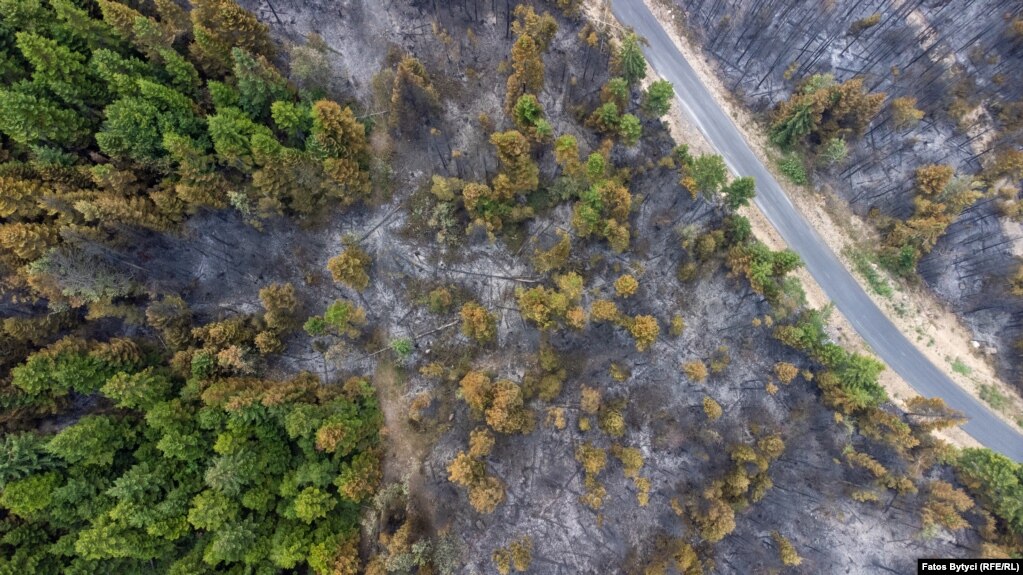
column 592, row 458
column 349, row 267
column 905, row 113
column 528, row 72
column 507, row 412
column 714, row 518
column 481, row 442
column 644, row 329
column 626, row 286
column 712, row 409
column 945, row 505
column 477, row 322
column 477, row 390
column 785, row 372
column 281, row 305
column 554, row 258
column 695, row 370
column 413, row 96
column 604, row 310
column 589, row 400
column 786, row 552
column 631, row 458
column 218, row 26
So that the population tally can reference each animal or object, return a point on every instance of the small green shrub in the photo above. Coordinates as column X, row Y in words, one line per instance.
column 792, row 166
column 900, row 261
column 865, row 267
column 961, row 368
column 835, row 151
column 315, row 326
column 402, row 347
column 993, row 397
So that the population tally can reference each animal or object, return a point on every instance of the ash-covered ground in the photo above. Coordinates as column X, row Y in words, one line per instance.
column 221, row 262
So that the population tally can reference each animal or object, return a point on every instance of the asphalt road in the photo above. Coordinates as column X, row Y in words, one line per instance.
column 868, row 320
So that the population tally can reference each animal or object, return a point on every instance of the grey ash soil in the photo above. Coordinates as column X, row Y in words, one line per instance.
column 932, row 51
column 683, row 453
column 221, row 262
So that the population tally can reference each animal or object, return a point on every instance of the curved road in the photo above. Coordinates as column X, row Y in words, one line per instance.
column 871, row 323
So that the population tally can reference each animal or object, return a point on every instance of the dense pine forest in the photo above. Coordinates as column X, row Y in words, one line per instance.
column 420, row 287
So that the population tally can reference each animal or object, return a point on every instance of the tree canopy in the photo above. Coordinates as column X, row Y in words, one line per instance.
column 821, row 109
column 108, row 124
column 186, row 476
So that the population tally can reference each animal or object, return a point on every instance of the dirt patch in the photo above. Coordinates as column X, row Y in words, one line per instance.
column 406, row 449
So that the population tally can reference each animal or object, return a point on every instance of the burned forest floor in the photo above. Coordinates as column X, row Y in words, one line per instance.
column 622, row 516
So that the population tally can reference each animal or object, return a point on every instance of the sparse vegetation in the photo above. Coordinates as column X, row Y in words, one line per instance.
column 993, row 396
column 695, row 370
column 905, row 113
column 961, row 368
column 861, row 25
column 786, row 552
column 478, row 323
column 626, row 286
column 402, row 346
column 864, row 266
column 791, row 165
column 711, row 409
column 940, row 198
